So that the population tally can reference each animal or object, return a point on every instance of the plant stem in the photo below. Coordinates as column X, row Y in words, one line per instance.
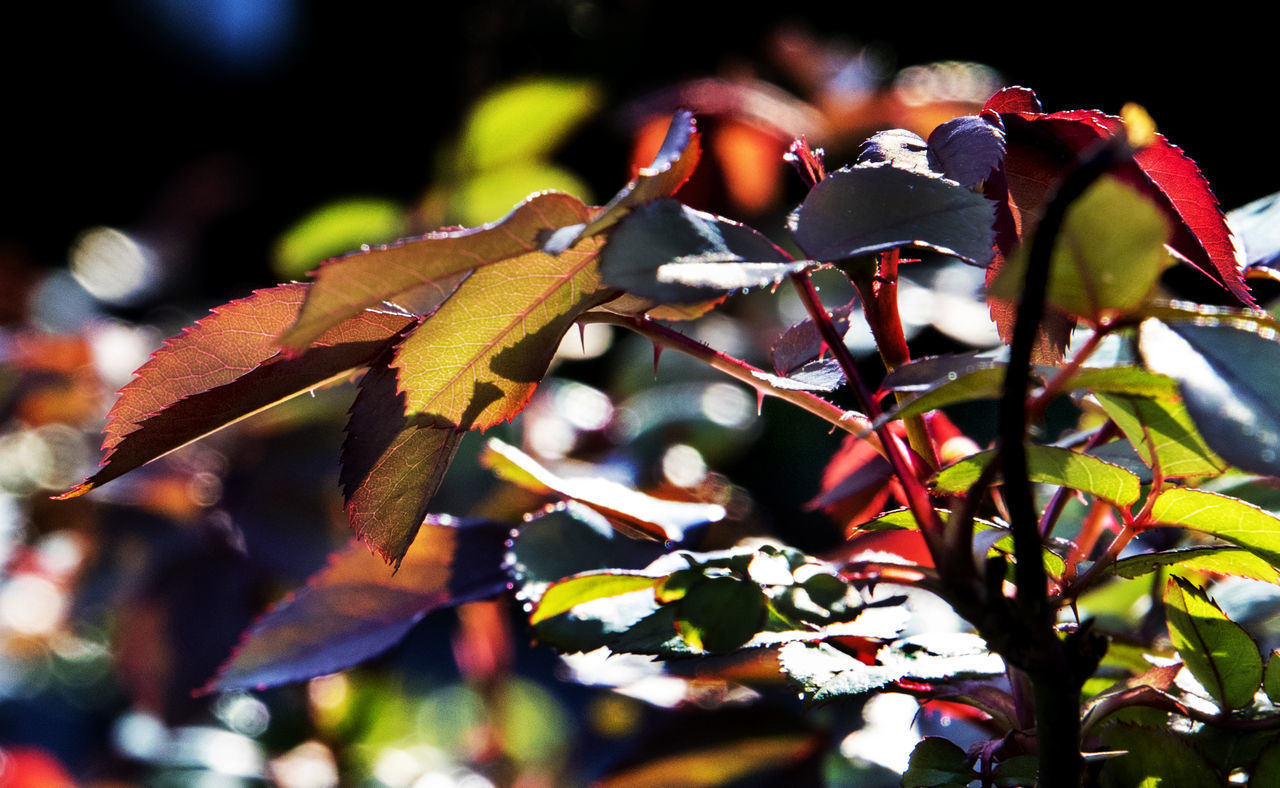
column 1057, row 669
column 917, row 496
column 879, row 296
column 849, row 421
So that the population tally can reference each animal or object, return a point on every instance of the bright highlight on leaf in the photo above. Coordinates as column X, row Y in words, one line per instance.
column 1052, row 465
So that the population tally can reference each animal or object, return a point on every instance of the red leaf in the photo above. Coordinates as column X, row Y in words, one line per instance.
column 1013, row 99
column 421, row 273
column 392, row 464
column 226, row 367
column 355, row 608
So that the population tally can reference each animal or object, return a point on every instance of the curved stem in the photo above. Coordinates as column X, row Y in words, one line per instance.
column 849, row 421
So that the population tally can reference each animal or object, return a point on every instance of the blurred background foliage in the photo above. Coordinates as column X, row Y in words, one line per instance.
column 163, row 156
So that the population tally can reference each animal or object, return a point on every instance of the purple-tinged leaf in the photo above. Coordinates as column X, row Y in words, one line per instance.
column 866, row 209
column 355, row 608
column 923, row 374
column 666, row 232
column 421, row 273
column 476, row 361
column 226, row 367
column 392, row 464
column 802, row 342
column 966, row 150
column 633, row 513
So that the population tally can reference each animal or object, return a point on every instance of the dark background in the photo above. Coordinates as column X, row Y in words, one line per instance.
column 109, row 106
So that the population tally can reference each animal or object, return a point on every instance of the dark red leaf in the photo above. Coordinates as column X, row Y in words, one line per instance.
column 355, row 608
column 1013, row 99
column 392, row 464
column 226, row 367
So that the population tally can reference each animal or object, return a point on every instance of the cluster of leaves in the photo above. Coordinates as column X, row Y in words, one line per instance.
column 1074, row 215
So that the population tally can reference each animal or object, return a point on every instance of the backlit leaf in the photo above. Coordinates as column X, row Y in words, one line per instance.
column 1229, row 519
column 226, row 367
column 671, row 235
column 420, row 273
column 1154, row 757
column 975, row 385
column 1217, row 651
column 866, row 209
column 923, row 374
column 720, row 614
column 1208, row 558
column 476, row 361
column 1161, row 431
column 355, row 608
column 1228, row 372
column 1107, row 256
column 1129, row 381
column 1052, row 465
column 630, row 511
column 1043, row 147
column 392, row 464
column 573, row 591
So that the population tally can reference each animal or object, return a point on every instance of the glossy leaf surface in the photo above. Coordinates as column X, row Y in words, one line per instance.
column 866, row 209
column 631, row 512
column 1228, row 372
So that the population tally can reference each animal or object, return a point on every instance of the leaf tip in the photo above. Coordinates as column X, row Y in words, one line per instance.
column 75, row 492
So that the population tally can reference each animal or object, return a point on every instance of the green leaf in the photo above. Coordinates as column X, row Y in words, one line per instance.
column 935, row 763
column 631, row 512
column 975, row 385
column 392, row 464
column 1271, row 677
column 1266, row 770
column 227, row 367
column 720, row 614
column 1229, row 373
column 573, row 591
column 333, row 229
column 1162, row 433
column 1052, row 465
column 673, row 236
column 1217, row 651
column 476, row 361
column 1107, row 256
column 1130, row 381
column 1227, row 518
column 1018, row 771
column 873, row 208
column 420, row 273
column 356, row 608
column 1210, row 558
column 1154, row 757
column 525, row 120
